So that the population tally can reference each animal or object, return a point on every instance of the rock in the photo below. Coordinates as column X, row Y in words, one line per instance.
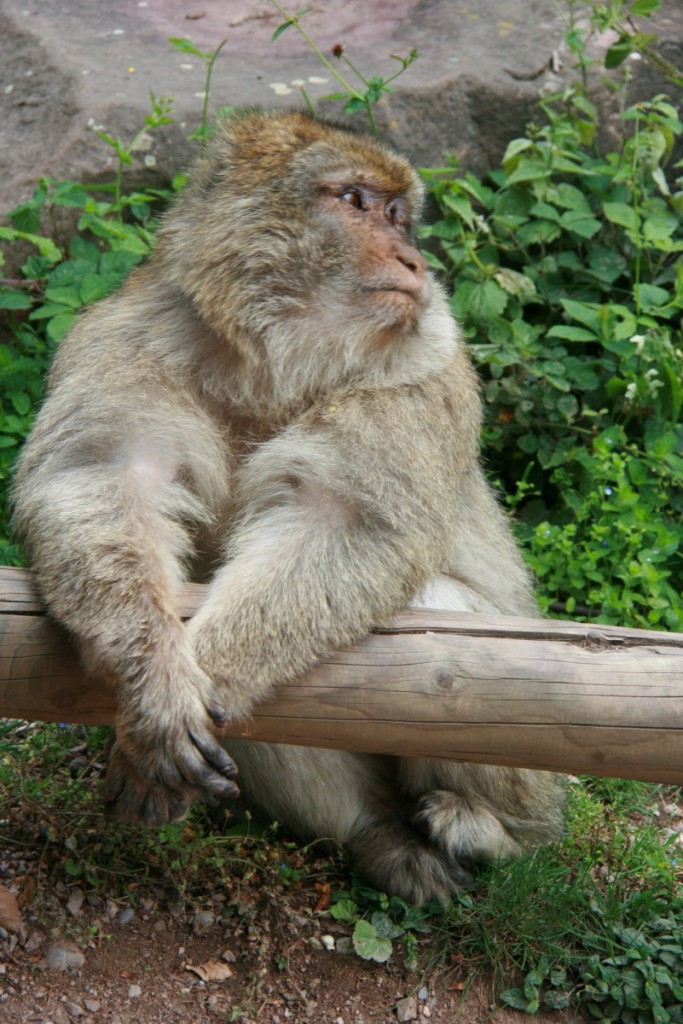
column 74, row 1010
column 126, row 916
column 67, row 73
column 92, row 1005
column 64, row 956
column 406, row 1009
column 423, row 994
column 75, row 902
column 203, row 921
column 134, row 991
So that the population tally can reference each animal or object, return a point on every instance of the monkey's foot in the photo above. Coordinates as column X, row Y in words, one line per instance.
column 463, row 829
column 158, row 785
column 398, row 860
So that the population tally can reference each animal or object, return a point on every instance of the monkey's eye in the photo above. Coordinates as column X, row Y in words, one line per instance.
column 353, row 197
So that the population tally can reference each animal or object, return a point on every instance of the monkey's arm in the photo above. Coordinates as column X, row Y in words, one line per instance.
column 348, row 512
column 104, row 517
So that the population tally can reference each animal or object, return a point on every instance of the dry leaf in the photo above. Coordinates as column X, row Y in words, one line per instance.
column 10, row 915
column 212, row 970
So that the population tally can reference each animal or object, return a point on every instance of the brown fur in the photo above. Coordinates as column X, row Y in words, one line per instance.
column 279, row 393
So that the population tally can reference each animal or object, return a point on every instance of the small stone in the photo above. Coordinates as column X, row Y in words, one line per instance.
column 426, row 1012
column 74, row 1010
column 203, row 921
column 92, row 1005
column 344, row 946
column 406, row 1009
column 328, row 943
column 64, row 956
column 423, row 994
column 134, row 991
column 126, row 916
column 75, row 902
column 34, row 942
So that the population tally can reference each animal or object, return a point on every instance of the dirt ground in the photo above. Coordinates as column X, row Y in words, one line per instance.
column 256, row 953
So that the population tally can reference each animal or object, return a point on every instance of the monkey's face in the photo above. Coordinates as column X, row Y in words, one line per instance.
column 380, row 276
column 293, row 239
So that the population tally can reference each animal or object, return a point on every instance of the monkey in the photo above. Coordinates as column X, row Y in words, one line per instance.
column 279, row 398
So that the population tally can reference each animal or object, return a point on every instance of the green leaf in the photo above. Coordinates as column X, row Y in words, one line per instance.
column 644, row 8
column 49, row 310
column 384, row 926
column 21, row 401
column 570, row 198
column 570, row 333
column 622, row 214
column 59, row 325
column 618, row 53
column 650, row 295
column 369, row 945
column 96, row 286
column 344, row 910
column 516, row 284
column 187, row 46
column 7, row 442
column 66, row 296
column 10, row 298
column 580, row 223
column 529, row 170
column 584, row 313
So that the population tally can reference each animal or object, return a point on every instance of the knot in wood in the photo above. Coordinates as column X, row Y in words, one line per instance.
column 445, row 681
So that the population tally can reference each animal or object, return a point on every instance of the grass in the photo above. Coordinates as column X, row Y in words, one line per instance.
column 546, row 924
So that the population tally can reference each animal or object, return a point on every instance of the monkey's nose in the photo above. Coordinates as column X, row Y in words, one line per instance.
column 411, row 259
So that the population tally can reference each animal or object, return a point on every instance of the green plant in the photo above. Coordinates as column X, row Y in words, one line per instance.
column 378, row 920
column 566, row 276
column 359, row 97
column 115, row 232
column 208, row 58
column 161, row 109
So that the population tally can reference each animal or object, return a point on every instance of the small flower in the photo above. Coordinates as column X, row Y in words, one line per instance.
column 631, row 391
column 338, row 50
column 638, row 340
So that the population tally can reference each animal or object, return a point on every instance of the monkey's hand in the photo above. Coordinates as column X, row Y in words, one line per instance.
column 166, row 755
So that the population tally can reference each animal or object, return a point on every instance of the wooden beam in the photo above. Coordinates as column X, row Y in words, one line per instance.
column 563, row 696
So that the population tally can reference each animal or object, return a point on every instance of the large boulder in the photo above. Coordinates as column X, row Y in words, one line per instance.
column 68, row 69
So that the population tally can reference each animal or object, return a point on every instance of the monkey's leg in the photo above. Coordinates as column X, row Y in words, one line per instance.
column 333, row 794
column 477, row 812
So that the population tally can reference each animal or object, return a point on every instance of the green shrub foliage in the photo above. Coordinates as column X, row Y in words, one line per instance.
column 566, row 274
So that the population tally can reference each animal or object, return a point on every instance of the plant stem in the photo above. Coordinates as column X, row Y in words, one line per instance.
column 294, row 20
column 207, row 91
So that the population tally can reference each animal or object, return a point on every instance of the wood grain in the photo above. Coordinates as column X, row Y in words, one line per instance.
column 563, row 696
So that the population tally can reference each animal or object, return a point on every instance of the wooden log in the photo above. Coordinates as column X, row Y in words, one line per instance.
column 563, row 696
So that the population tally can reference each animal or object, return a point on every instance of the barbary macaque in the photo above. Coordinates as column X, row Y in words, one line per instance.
column 279, row 394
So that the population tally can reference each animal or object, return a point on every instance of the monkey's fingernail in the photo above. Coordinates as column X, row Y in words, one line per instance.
column 219, row 716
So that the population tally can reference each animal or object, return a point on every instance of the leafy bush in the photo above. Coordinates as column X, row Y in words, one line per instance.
column 566, row 276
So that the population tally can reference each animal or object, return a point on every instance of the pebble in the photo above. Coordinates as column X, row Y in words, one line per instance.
column 92, row 1005
column 406, row 1009
column 126, row 916
column 75, row 902
column 74, row 1010
column 203, row 921
column 134, row 991
column 64, row 956
column 423, row 994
